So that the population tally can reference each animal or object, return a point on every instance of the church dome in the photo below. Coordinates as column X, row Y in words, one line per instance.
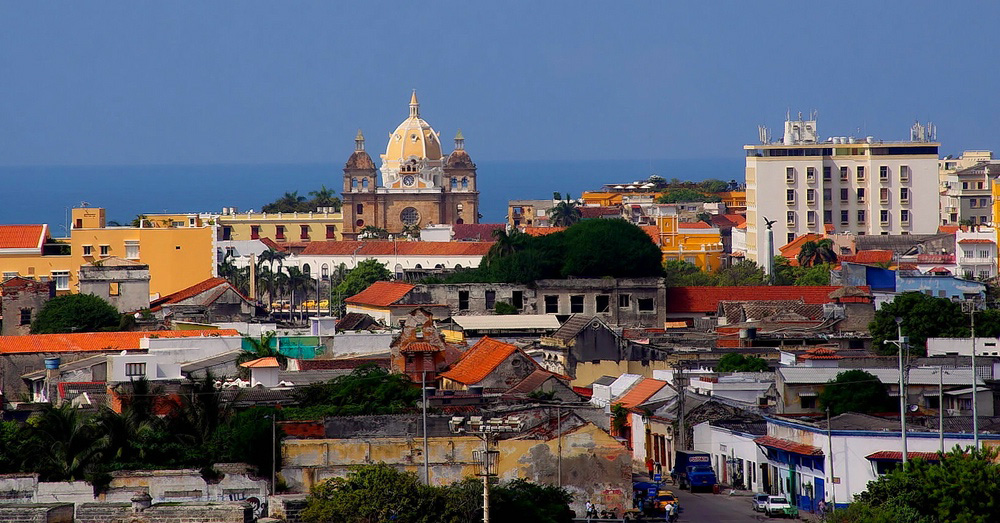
column 413, row 138
column 460, row 160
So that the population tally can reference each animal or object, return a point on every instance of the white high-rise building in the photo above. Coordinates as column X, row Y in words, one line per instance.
column 839, row 185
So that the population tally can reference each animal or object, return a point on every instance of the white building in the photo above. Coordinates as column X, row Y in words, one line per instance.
column 841, row 184
column 976, row 253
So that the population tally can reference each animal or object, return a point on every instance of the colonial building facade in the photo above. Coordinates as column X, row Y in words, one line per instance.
column 419, row 185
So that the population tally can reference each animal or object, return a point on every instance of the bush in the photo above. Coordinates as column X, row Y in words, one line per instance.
column 76, row 313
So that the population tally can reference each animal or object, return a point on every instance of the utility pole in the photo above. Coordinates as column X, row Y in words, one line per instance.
column 559, row 447
column 423, row 388
column 941, row 407
column 900, row 343
column 829, row 443
column 975, row 396
column 681, row 385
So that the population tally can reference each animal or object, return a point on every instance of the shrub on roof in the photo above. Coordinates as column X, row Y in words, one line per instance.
column 76, row 313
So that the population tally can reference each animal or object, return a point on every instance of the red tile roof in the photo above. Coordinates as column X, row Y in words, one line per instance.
column 270, row 362
column 542, row 231
column 792, row 249
column 728, row 220
column 585, row 392
column 381, row 294
column 820, row 353
column 479, row 361
column 273, row 245
column 869, row 256
column 598, row 211
column 790, row 446
column 482, row 232
column 939, row 270
column 191, row 292
column 22, row 236
column 706, row 299
column 694, row 225
column 95, row 341
column 975, row 240
column 653, row 232
column 641, row 392
column 420, row 346
column 364, row 249
column 948, row 229
column 895, row 455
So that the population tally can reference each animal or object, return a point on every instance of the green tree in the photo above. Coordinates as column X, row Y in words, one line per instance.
column 289, row 202
column 373, row 494
column 361, row 277
column 736, row 362
column 713, row 185
column 368, row 389
column 923, row 317
column 615, row 248
column 684, row 195
column 740, row 274
column 502, row 308
column 324, row 198
column 564, row 214
column 76, row 313
column 264, row 347
column 299, row 284
column 62, row 444
column 522, row 500
column 270, row 257
column 963, row 487
column 855, row 391
column 818, row 252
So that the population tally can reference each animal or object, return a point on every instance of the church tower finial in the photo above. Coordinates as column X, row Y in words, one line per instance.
column 459, row 141
column 359, row 142
column 414, row 105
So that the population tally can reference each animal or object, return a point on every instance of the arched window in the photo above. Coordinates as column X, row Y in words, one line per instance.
column 439, row 266
column 325, row 271
column 306, row 269
column 417, row 266
column 364, row 183
column 454, row 183
column 354, row 183
column 399, row 271
column 465, row 183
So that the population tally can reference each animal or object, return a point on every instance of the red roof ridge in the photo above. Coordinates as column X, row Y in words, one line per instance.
column 382, row 294
column 95, row 341
column 480, row 360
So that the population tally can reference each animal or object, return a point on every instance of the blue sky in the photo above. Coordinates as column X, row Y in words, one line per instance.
column 273, row 82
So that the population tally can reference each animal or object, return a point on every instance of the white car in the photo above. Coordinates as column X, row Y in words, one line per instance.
column 758, row 502
column 777, row 506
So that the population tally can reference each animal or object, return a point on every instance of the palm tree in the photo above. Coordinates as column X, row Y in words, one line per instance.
column 256, row 348
column 63, row 444
column 815, row 253
column 201, row 411
column 298, row 283
column 504, row 244
column 238, row 276
column 325, row 198
column 564, row 214
column 270, row 256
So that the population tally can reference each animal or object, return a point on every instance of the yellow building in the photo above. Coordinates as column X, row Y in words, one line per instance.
column 178, row 256
column 736, row 201
column 603, row 199
column 282, row 227
column 695, row 242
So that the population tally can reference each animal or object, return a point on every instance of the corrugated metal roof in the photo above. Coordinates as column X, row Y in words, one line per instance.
column 508, row 322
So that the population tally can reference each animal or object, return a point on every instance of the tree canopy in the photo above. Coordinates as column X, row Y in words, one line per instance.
column 76, row 313
column 855, row 391
column 684, row 194
column 743, row 273
column 736, row 362
column 361, row 277
column 923, row 317
column 293, row 202
column 368, row 389
column 963, row 487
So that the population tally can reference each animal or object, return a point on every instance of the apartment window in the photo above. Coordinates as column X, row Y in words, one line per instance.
column 884, row 217
column 88, row 250
column 808, row 402
column 491, row 299
column 517, row 299
column 230, row 252
column 227, row 233
column 105, row 250
column 624, row 301
column 904, row 195
column 790, row 237
column 845, row 173
column 255, row 232
column 602, row 303
column 331, row 232
column 790, row 174
column 904, row 216
column 967, row 252
column 827, row 216
column 551, row 304
column 25, row 316
column 861, row 195
column 979, row 185
column 973, row 203
column 811, row 195
column 811, row 217
column 883, row 173
column 114, row 289
column 984, row 202
column 844, row 220
column 790, row 218
column 790, row 196
column 827, row 194
column 62, row 280
column 904, row 173
column 811, row 174
column 135, row 369
column 983, row 275
column 965, row 185
column 984, row 253
column 576, row 304
column 861, row 172
column 303, row 232
column 861, row 216
column 844, row 194
column 279, row 232
column 360, row 208
column 827, row 173
column 132, row 249
column 646, row 304
column 883, row 194
column 463, row 300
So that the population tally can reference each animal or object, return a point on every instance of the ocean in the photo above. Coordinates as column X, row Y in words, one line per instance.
column 44, row 194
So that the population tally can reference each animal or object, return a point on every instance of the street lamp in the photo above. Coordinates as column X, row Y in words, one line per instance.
column 489, row 431
column 901, row 342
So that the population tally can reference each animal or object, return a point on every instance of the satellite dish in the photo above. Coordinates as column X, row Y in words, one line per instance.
column 914, row 408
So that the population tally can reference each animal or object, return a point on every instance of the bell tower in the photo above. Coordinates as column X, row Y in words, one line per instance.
column 358, row 207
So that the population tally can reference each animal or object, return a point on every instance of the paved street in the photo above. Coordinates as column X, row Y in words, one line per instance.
column 717, row 508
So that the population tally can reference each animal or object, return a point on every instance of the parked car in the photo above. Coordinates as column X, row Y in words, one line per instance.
column 279, row 305
column 758, row 502
column 309, row 305
column 662, row 498
column 779, row 506
column 324, row 304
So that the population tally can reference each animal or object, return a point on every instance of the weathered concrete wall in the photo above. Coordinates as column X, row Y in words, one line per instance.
column 165, row 513
column 287, row 507
column 27, row 294
column 477, row 301
column 37, row 513
column 594, row 466
column 188, row 485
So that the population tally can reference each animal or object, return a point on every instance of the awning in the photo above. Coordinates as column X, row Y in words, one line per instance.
column 788, row 446
column 895, row 455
